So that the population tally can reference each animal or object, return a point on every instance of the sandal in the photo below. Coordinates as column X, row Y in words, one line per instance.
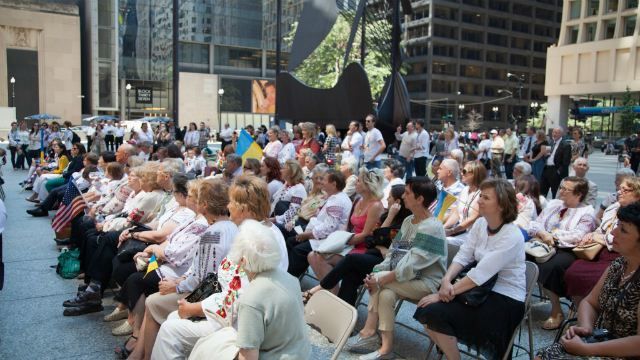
column 306, row 296
column 121, row 351
column 553, row 322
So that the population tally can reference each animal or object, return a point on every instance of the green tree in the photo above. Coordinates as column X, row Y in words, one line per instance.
column 325, row 65
column 627, row 116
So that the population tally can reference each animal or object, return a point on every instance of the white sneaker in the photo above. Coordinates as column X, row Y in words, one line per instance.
column 359, row 345
column 123, row 329
column 376, row 356
column 117, row 314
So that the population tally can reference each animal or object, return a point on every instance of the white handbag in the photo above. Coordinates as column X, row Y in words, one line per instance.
column 334, row 243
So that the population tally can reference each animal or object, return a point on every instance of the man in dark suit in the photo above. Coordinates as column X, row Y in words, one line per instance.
column 557, row 165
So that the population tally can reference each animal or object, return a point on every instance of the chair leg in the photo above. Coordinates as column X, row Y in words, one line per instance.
column 530, row 330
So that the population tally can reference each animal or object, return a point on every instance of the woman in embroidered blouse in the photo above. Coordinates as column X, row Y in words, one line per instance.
column 583, row 275
column 212, row 199
column 308, row 138
column 192, row 136
column 412, row 268
column 466, row 212
column 498, row 248
column 274, row 145
column 528, row 195
column 564, row 222
column 270, row 172
column 612, row 304
column 292, row 192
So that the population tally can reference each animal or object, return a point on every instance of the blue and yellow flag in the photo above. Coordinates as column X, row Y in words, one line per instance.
column 445, row 200
column 247, row 148
column 153, row 264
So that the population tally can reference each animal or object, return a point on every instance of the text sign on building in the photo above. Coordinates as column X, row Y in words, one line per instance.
column 144, row 95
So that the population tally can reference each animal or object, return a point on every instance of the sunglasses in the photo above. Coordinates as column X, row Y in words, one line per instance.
column 465, row 171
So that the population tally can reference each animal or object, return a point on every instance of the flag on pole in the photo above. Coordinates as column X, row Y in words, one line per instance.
column 153, row 264
column 247, row 148
column 72, row 205
column 439, row 208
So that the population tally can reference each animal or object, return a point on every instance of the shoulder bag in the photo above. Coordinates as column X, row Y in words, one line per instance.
column 477, row 295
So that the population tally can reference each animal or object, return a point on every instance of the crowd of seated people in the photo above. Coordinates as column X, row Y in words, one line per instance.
column 157, row 228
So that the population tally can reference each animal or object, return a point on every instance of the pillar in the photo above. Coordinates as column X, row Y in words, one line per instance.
column 557, row 111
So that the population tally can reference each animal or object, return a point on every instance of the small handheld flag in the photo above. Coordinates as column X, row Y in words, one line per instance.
column 445, row 200
column 72, row 204
column 247, row 148
column 153, row 264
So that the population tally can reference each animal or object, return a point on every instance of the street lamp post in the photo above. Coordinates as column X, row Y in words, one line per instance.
column 13, row 91
column 128, row 87
column 460, row 112
column 220, row 93
column 520, row 80
column 495, row 113
column 534, row 109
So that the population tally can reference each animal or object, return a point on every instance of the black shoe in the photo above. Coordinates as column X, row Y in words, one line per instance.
column 38, row 212
column 84, row 298
column 81, row 310
column 63, row 242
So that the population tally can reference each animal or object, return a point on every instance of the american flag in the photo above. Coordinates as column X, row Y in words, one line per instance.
column 72, row 205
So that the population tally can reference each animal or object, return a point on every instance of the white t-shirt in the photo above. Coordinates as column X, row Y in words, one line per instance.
column 356, row 141
column 145, row 136
column 485, row 149
column 226, row 134
column 387, row 190
column 120, row 131
column 422, row 144
column 288, row 152
column 372, row 145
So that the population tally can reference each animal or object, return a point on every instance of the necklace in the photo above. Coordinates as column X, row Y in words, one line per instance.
column 494, row 231
column 624, row 277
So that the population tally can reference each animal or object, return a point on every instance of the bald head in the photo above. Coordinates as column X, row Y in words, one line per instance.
column 124, row 152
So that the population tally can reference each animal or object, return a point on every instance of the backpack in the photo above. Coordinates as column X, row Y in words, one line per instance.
column 75, row 138
column 69, row 263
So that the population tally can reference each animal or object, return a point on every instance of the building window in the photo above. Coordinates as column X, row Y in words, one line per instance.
column 419, row 68
column 194, row 57
column 479, row 3
column 520, row 27
column 590, row 32
column 631, row 4
column 445, row 31
column 105, row 85
column 499, row 5
column 629, row 25
column 472, row 18
column 523, row 10
column 495, row 74
column 238, row 58
column 443, row 68
column 612, row 6
column 471, row 89
column 519, row 60
column 542, row 30
column 497, row 39
column 537, row 79
column 471, row 54
column 471, row 71
column 572, row 34
column 442, row 86
column 444, row 50
column 593, row 7
column 544, row 14
column 497, row 22
column 540, row 46
column 574, row 9
column 609, row 29
column 472, row 36
column 539, row 63
column 496, row 57
column 445, row 13
column 522, row 44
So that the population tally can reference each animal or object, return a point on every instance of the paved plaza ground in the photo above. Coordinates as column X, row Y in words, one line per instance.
column 31, row 321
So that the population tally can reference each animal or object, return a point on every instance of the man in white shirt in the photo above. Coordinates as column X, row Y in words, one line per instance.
column 557, row 165
column 109, row 136
column 226, row 136
column 407, row 145
column 448, row 174
column 89, row 131
column 497, row 152
column 528, row 142
column 484, row 150
column 353, row 142
column 203, row 139
column 119, row 133
column 421, row 151
column 510, row 152
column 374, row 144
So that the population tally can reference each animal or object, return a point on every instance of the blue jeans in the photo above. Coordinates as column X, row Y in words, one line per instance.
column 408, row 166
column 374, row 164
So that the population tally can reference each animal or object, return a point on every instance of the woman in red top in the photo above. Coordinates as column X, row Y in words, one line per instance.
column 308, row 138
column 364, row 219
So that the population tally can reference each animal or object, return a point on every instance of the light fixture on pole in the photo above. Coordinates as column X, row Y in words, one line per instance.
column 460, row 111
column 128, row 87
column 534, row 109
column 13, row 91
column 495, row 113
column 220, row 93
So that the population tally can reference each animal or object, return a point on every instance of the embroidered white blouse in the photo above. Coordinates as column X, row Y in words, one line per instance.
column 568, row 225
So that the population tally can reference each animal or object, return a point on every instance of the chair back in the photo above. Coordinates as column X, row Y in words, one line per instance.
column 452, row 250
column 332, row 317
column 531, row 274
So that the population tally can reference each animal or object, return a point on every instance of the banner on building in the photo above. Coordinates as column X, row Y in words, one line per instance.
column 144, row 95
column 263, row 97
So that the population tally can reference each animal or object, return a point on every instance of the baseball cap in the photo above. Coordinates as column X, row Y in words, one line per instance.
column 494, row 131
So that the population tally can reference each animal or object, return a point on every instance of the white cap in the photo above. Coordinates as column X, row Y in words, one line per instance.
column 494, row 131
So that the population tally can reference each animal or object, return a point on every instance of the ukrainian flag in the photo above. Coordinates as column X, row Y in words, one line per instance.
column 445, row 200
column 153, row 264
column 247, row 147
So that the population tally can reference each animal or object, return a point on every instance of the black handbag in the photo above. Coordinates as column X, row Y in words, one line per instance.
column 130, row 248
column 477, row 295
column 380, row 237
column 281, row 207
column 138, row 227
column 207, row 287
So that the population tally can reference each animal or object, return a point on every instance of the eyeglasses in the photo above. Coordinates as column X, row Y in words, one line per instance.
column 465, row 171
column 624, row 190
column 564, row 188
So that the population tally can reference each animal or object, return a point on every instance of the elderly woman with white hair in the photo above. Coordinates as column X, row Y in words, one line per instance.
column 288, row 150
column 521, row 168
column 274, row 145
column 268, row 327
column 457, row 155
column 348, row 168
column 612, row 198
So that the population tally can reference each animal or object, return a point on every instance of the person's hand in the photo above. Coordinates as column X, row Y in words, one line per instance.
column 578, row 331
column 167, row 286
column 140, row 254
column 446, row 292
column 304, row 236
column 289, row 226
column 371, row 283
column 183, row 309
column 124, row 236
column 394, row 209
column 586, row 239
column 428, row 300
column 99, row 226
column 574, row 345
column 546, row 238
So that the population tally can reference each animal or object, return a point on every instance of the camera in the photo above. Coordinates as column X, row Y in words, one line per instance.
column 598, row 335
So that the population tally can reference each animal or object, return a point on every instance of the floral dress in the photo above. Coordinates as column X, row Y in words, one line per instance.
column 619, row 314
column 221, row 308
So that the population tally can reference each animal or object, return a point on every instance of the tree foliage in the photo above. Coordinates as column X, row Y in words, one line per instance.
column 325, row 65
column 627, row 116
column 474, row 120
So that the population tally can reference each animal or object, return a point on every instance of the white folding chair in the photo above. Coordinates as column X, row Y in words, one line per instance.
column 332, row 317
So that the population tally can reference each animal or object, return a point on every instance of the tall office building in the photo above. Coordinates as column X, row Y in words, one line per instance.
column 461, row 51
column 224, row 44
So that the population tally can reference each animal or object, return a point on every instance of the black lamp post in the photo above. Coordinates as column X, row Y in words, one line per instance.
column 13, row 91
column 128, row 87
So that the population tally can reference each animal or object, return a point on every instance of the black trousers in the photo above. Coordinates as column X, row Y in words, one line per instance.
column 351, row 270
column 14, row 151
column 122, row 270
column 138, row 284
column 33, row 155
column 24, row 155
column 119, row 140
column 550, row 181
column 1, row 266
column 89, row 142
column 298, row 262
column 421, row 166
column 101, row 250
column 109, row 140
column 552, row 271
column 54, row 196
